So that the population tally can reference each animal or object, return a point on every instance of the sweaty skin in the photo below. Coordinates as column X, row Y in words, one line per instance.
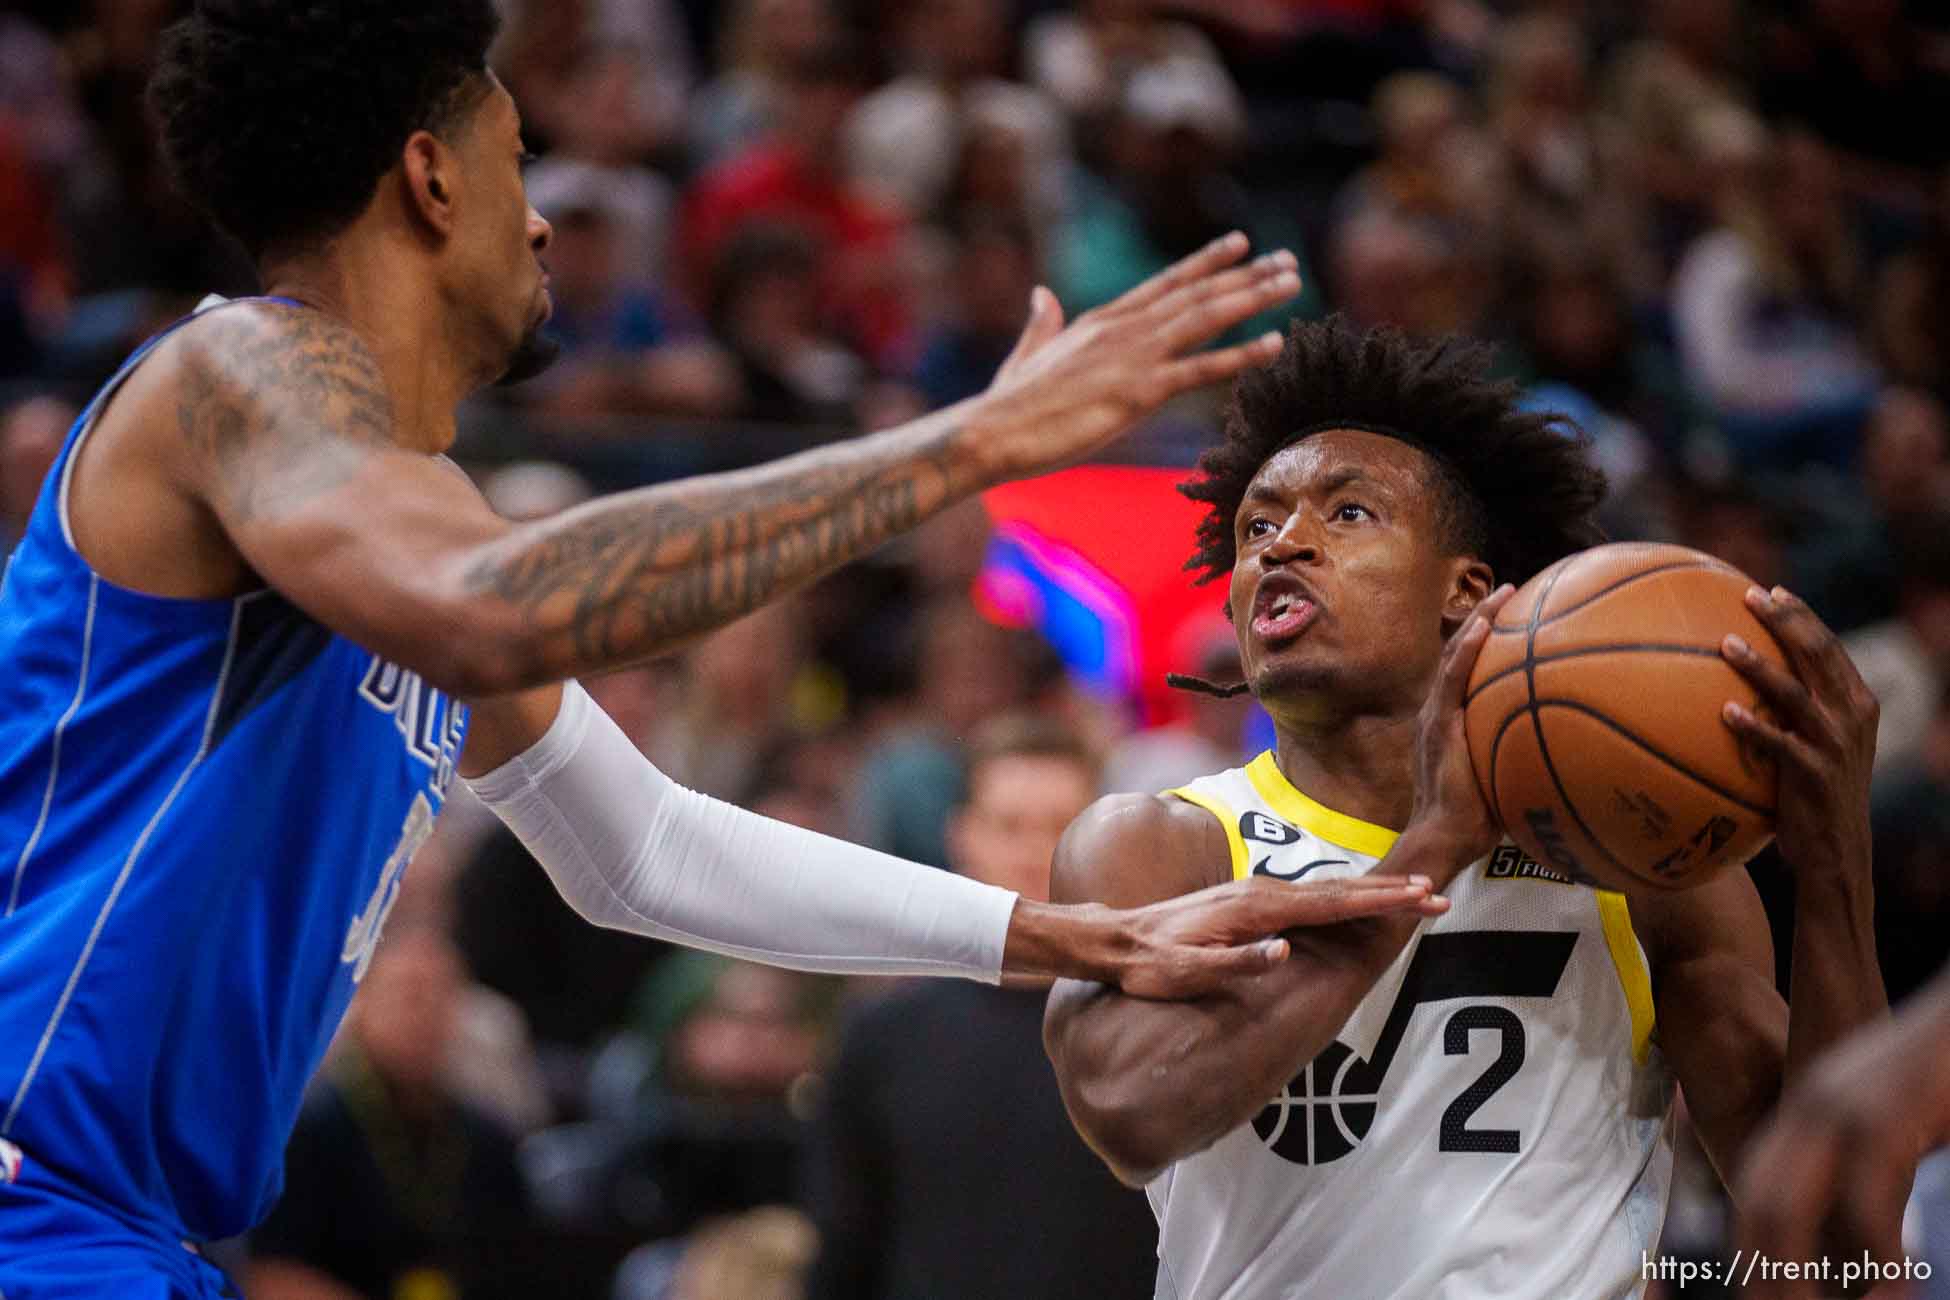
column 1365, row 691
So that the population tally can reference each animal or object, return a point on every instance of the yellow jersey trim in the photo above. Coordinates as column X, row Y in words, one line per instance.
column 1616, row 917
column 1336, row 828
column 1228, row 821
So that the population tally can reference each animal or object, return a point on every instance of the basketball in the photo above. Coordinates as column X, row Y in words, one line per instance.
column 1593, row 719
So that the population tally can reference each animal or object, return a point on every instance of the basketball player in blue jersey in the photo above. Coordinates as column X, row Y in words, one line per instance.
column 241, row 625
column 1477, row 1106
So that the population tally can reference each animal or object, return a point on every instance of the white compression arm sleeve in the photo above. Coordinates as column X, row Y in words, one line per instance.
column 632, row 850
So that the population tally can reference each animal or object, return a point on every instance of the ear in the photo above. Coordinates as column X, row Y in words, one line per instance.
column 431, row 172
column 1470, row 582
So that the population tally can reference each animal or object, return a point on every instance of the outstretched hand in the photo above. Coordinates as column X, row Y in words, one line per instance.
column 1064, row 391
column 1194, row 944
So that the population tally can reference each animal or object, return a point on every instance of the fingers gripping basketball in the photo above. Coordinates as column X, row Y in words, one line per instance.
column 1594, row 719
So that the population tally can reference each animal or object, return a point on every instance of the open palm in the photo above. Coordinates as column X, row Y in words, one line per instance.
column 1064, row 391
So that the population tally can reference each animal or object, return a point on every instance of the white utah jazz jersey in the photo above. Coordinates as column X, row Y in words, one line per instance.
column 1491, row 1122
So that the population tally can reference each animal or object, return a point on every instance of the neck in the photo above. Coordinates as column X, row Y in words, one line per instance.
column 1363, row 766
column 427, row 369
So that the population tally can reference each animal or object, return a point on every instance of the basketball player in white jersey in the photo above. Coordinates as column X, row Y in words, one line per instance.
column 1473, row 1105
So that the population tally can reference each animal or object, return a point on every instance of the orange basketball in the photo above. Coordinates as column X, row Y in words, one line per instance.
column 1593, row 718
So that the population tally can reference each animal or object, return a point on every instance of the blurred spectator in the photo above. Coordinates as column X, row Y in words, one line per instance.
column 1665, row 91
column 1578, row 354
column 796, row 177
column 762, row 1254
column 1737, row 524
column 765, row 306
column 1872, row 85
column 624, row 348
column 995, row 269
column 735, row 703
column 1084, row 58
column 1906, row 660
column 1912, row 844
column 1165, row 190
column 601, row 80
column 944, row 1163
column 1574, row 328
column 125, row 225
column 968, row 670
column 1910, row 325
column 905, row 139
column 1431, row 168
column 31, row 433
column 997, row 172
column 614, row 111
column 1845, row 560
column 41, row 133
column 1538, row 112
column 1389, row 270
column 1906, row 457
column 763, row 42
column 1761, row 306
column 729, row 1032
column 721, row 1056
column 633, row 203
column 392, row 1185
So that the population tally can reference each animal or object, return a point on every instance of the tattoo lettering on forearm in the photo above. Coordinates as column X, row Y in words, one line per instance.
column 628, row 577
column 282, row 404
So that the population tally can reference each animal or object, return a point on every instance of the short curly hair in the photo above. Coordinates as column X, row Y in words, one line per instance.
column 278, row 117
column 1515, row 488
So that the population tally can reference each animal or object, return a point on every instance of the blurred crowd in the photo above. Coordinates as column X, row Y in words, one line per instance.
column 1715, row 234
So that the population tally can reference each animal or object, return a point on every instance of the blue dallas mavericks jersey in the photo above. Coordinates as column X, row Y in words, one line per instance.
column 205, row 808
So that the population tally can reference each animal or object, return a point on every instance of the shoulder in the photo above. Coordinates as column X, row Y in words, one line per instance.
column 262, row 389
column 1128, row 849
column 265, row 350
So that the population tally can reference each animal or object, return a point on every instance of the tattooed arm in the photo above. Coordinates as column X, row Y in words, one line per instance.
column 295, row 451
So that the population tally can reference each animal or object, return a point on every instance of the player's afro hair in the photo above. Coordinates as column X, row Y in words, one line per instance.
column 278, row 117
column 1514, row 488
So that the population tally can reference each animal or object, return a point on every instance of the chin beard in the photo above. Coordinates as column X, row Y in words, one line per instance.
column 535, row 353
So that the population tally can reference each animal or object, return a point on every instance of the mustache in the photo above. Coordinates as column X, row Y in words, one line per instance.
column 537, row 351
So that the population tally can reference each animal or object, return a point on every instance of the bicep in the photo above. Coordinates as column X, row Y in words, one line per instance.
column 1722, row 1024
column 376, row 556
column 1125, row 851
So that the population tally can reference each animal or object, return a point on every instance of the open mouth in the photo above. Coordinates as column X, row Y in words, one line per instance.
column 1282, row 614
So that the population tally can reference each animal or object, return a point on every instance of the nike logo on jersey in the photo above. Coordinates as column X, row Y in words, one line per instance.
column 1261, row 868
